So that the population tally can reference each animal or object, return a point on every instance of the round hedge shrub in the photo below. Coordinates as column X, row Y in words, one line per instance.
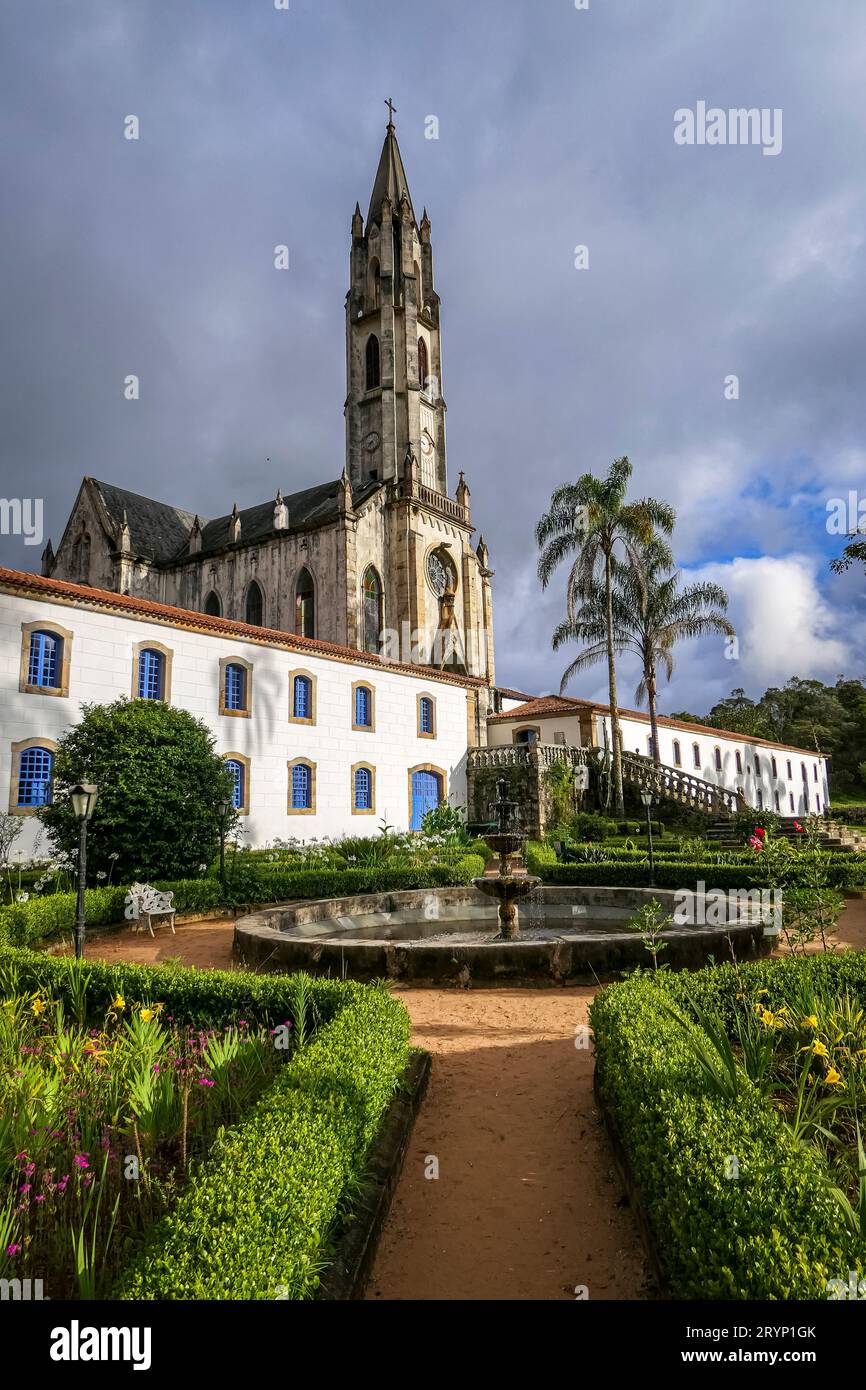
column 160, row 784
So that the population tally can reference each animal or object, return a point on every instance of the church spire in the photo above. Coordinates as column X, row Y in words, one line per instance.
column 390, row 181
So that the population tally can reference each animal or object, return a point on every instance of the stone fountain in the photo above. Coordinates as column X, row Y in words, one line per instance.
column 507, row 888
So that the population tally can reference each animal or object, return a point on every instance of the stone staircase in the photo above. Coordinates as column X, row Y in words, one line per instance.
column 832, row 837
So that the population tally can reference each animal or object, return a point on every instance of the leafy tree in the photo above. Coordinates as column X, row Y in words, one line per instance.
column 160, row 785
column 853, row 554
column 590, row 523
column 651, row 613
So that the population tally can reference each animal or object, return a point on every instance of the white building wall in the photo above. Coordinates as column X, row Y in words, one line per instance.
column 798, row 794
column 101, row 669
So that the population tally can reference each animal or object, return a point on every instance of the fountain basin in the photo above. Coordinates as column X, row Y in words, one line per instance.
column 449, row 936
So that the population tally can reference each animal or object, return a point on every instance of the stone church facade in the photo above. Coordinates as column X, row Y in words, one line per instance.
column 382, row 559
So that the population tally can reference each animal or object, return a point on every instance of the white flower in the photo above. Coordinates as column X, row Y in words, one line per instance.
column 22, row 897
column 101, row 874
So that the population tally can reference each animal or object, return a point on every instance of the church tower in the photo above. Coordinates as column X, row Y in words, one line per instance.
column 417, row 574
column 394, row 404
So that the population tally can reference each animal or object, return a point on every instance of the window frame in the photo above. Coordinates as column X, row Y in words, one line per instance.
column 310, row 636
column 718, row 762
column 23, row 746
column 434, row 714
column 61, row 634
column 247, row 668
column 371, row 690
column 368, row 384
column 301, row 671
column 363, row 810
column 301, row 810
column 677, row 753
column 697, row 760
column 234, row 757
column 526, row 729
column 167, row 657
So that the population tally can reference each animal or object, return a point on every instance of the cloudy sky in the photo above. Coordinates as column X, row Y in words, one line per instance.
column 261, row 126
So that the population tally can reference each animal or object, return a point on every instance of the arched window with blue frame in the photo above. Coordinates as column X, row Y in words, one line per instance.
column 151, row 674
column 301, row 787
column 35, row 777
column 426, row 785
column 362, row 717
column 362, row 789
column 303, row 697
column 235, row 687
column 238, row 772
column 45, row 660
column 426, row 717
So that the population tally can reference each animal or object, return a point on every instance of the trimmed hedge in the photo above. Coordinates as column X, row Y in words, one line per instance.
column 774, row 1233
column 628, row 870
column 54, row 914
column 258, row 1216
column 255, row 1221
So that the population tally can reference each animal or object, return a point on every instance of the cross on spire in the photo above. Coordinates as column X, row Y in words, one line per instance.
column 391, row 109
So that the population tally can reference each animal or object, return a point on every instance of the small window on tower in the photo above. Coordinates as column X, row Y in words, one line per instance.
column 372, row 363
column 423, row 364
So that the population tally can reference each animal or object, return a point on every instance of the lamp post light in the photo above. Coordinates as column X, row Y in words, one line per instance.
column 83, row 798
column 647, row 798
column 224, row 808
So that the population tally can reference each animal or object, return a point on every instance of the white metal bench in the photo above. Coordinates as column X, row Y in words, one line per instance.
column 144, row 903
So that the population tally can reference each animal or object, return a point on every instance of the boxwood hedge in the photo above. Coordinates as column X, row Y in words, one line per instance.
column 773, row 1233
column 53, row 914
column 258, row 1217
column 624, row 869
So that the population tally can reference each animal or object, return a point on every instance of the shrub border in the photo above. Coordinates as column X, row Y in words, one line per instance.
column 357, row 1241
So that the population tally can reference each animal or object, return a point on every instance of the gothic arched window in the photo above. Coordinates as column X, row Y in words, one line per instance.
column 372, row 363
column 212, row 605
column 373, row 284
column 255, row 605
column 423, row 364
column 373, row 617
column 305, row 605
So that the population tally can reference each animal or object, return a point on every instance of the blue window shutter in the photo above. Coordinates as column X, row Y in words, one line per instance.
column 235, row 691
column 44, row 663
column 303, row 697
column 426, row 715
column 237, row 771
column 362, row 706
column 150, row 675
column 35, row 773
column 363, row 789
column 301, row 787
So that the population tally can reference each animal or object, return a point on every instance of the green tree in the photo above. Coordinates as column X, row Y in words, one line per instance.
column 160, row 785
column 651, row 613
column 590, row 523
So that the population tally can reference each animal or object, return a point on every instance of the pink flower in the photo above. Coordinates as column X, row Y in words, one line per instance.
column 755, row 843
column 760, row 832
column 81, row 1161
column 40, row 1197
column 30, row 1169
column 205, row 1081
column 25, row 1187
column 12, row 1249
column 798, row 827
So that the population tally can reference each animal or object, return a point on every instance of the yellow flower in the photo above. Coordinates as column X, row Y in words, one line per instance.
column 118, row 1002
column 768, row 1019
column 832, row 1078
column 818, row 1048
column 159, row 1008
column 762, row 991
column 146, row 1015
column 810, row 1021
column 38, row 1006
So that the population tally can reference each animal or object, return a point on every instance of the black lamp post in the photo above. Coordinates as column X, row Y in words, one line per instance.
column 83, row 798
column 647, row 798
column 224, row 808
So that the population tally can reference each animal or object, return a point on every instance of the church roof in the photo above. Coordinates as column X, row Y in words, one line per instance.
column 390, row 178
column 160, row 532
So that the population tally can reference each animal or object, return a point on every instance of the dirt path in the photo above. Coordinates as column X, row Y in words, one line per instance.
column 527, row 1204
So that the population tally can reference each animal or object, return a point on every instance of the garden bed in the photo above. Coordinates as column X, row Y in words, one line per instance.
column 255, row 1214
column 736, row 1184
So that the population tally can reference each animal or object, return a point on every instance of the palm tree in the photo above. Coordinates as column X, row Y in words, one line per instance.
column 590, row 522
column 650, row 615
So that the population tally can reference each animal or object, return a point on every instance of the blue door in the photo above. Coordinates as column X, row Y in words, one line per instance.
column 426, row 795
